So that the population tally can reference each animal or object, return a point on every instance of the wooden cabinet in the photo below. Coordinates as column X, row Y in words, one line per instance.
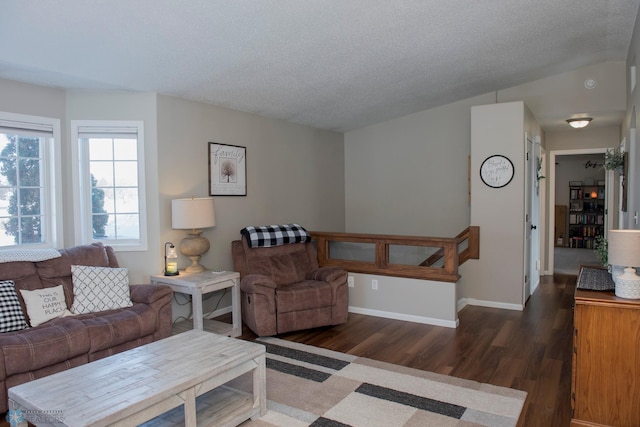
column 606, row 360
column 586, row 215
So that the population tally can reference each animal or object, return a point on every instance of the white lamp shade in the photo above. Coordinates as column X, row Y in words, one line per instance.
column 193, row 213
column 624, row 248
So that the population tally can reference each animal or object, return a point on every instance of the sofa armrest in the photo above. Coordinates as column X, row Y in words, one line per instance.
column 159, row 298
column 328, row 274
column 148, row 294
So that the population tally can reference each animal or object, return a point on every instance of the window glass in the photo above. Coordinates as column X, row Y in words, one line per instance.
column 110, row 182
column 27, row 193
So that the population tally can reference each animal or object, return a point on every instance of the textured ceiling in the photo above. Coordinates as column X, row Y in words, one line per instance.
column 331, row 64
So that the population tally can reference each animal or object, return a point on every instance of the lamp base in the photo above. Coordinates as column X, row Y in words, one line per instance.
column 628, row 284
column 193, row 246
column 195, row 266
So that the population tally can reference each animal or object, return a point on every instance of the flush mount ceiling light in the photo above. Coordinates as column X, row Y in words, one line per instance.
column 578, row 123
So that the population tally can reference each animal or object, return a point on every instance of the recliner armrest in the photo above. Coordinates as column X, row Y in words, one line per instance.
column 261, row 285
column 327, row 274
column 257, row 283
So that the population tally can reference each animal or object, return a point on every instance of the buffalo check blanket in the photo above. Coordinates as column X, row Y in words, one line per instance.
column 275, row 235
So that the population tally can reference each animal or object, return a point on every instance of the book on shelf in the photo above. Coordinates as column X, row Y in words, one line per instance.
column 576, row 193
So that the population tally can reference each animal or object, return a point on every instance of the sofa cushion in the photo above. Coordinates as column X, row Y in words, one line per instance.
column 108, row 329
column 57, row 271
column 99, row 288
column 302, row 296
column 45, row 304
column 11, row 316
column 53, row 342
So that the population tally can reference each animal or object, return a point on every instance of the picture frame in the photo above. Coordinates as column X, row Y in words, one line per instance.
column 227, row 170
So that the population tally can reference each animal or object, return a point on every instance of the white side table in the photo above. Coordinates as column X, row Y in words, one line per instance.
column 198, row 284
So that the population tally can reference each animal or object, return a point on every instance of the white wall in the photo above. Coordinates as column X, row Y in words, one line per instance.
column 83, row 105
column 633, row 103
column 294, row 173
column 429, row 302
column 497, row 278
column 409, row 175
column 22, row 98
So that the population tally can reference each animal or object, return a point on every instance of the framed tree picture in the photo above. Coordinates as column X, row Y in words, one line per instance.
column 227, row 170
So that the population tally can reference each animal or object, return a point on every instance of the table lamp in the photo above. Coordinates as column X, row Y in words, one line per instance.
column 193, row 214
column 624, row 250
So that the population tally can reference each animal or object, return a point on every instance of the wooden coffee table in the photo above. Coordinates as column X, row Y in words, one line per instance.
column 140, row 384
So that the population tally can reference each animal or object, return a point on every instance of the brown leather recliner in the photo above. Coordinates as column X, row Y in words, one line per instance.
column 284, row 290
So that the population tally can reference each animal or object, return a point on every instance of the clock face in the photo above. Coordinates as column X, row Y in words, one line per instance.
column 496, row 171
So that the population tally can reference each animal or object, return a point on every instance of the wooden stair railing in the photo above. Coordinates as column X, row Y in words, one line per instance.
column 472, row 234
column 448, row 250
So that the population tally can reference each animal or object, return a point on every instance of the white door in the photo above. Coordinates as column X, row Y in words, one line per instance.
column 534, row 258
column 527, row 219
column 631, row 186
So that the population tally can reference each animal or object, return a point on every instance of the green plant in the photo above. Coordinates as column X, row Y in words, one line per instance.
column 613, row 158
column 539, row 169
column 601, row 250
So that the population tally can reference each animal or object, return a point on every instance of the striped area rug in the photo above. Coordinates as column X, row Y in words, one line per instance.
column 310, row 386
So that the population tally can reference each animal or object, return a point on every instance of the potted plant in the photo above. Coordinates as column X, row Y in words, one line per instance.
column 601, row 250
column 614, row 160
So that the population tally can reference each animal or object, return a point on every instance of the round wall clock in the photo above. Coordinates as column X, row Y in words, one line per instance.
column 496, row 171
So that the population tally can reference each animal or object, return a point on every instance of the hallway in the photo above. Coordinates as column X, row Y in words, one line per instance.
column 569, row 260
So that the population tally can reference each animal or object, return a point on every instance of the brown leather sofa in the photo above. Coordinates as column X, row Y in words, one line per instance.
column 284, row 290
column 66, row 342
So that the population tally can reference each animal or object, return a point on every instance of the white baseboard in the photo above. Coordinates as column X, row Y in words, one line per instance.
column 405, row 317
column 462, row 302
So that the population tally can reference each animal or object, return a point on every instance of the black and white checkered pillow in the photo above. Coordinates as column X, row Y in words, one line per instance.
column 11, row 316
column 275, row 235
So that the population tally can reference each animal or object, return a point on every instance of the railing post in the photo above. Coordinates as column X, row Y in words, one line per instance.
column 451, row 257
column 474, row 242
column 382, row 254
column 323, row 250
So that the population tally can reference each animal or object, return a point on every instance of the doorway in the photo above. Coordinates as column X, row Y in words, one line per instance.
column 577, row 182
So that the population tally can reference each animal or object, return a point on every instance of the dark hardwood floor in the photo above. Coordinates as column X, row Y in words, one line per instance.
column 528, row 350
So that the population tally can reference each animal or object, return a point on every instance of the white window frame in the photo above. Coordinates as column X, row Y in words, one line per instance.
column 82, row 186
column 52, row 227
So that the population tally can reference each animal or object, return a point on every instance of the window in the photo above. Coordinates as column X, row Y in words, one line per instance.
column 109, row 183
column 30, row 200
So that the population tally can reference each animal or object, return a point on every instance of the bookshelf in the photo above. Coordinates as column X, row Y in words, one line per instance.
column 586, row 215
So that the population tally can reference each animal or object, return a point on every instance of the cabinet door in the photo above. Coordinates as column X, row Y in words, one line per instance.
column 607, row 386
